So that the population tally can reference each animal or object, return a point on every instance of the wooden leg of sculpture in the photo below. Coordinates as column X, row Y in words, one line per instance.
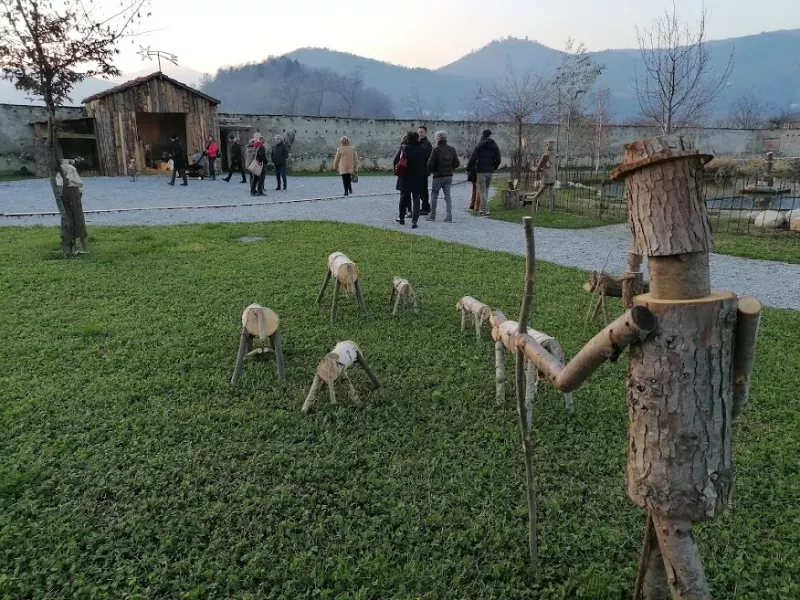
column 332, row 391
column 324, row 285
column 335, row 303
column 687, row 578
column 312, row 394
column 478, row 323
column 277, row 347
column 531, row 383
column 244, row 344
column 396, row 304
column 500, row 372
column 351, row 390
column 415, row 303
column 651, row 578
column 364, row 365
column 391, row 297
column 463, row 320
column 360, row 297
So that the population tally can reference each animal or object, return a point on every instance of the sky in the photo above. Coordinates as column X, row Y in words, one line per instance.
column 208, row 34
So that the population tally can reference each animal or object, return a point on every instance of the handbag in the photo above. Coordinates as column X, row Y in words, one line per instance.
column 255, row 168
column 354, row 178
column 401, row 165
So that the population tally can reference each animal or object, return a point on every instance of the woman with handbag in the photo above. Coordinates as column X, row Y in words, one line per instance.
column 410, row 164
column 346, row 161
column 259, row 169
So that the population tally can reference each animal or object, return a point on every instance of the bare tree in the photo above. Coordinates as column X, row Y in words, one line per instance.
column 575, row 77
column 347, row 88
column 48, row 47
column 747, row 112
column 321, row 82
column 522, row 99
column 419, row 109
column 679, row 82
column 289, row 92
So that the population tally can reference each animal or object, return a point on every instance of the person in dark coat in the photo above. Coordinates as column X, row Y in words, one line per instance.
column 414, row 179
column 484, row 162
column 280, row 156
column 257, row 183
column 178, row 157
column 236, row 160
column 442, row 163
column 422, row 131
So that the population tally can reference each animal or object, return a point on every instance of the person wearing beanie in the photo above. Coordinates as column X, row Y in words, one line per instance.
column 442, row 162
column 484, row 161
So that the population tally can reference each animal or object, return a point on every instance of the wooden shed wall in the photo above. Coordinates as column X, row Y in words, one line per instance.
column 115, row 120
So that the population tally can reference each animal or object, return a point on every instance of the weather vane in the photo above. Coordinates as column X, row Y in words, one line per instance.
column 146, row 53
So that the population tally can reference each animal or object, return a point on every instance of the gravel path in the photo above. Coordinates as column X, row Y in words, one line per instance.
column 775, row 283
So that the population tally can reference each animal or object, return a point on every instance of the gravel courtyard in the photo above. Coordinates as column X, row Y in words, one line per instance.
column 150, row 201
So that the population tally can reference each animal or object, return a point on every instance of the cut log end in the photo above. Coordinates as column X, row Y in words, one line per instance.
column 259, row 321
column 750, row 305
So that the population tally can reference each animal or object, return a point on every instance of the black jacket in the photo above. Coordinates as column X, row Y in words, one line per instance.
column 261, row 155
column 280, row 154
column 443, row 160
column 426, row 144
column 485, row 158
column 177, row 154
column 236, row 152
column 415, row 178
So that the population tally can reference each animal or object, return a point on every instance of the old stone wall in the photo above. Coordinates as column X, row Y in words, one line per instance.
column 316, row 138
column 17, row 147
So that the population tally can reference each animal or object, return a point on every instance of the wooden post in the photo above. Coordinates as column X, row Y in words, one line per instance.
column 324, row 285
column 680, row 460
column 500, row 372
column 333, row 367
column 259, row 322
column 335, row 302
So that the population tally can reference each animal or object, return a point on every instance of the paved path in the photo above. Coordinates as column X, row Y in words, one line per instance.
column 776, row 284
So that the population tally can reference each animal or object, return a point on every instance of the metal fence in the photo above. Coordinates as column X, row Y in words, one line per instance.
column 735, row 204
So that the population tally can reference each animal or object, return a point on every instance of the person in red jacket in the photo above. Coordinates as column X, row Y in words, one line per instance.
column 212, row 152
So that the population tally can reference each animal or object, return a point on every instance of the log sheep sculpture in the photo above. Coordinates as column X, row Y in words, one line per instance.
column 334, row 367
column 345, row 273
column 477, row 310
column 262, row 323
column 402, row 293
column 503, row 334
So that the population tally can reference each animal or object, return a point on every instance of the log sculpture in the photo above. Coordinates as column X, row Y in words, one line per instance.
column 504, row 334
column 70, row 197
column 334, row 367
column 602, row 285
column 478, row 311
column 345, row 273
column 262, row 323
column 402, row 293
column 687, row 380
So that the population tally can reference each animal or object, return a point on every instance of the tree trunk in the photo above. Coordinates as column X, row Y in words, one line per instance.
column 66, row 209
column 680, row 402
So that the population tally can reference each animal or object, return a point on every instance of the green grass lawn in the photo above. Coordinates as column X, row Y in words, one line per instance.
column 131, row 468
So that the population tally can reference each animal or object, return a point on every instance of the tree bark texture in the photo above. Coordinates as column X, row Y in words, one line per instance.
column 632, row 280
column 667, row 211
column 684, row 567
column 680, row 402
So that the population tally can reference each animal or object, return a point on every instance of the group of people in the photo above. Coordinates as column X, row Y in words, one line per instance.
column 416, row 160
column 252, row 160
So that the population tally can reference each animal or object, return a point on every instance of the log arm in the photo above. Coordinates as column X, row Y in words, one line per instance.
column 634, row 325
column 748, row 318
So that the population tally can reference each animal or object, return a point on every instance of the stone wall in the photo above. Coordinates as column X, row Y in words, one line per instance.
column 316, row 138
column 17, row 147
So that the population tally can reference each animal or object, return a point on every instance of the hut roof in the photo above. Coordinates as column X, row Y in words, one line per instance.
column 140, row 80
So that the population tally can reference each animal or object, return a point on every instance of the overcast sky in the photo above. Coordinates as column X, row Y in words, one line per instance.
column 419, row 33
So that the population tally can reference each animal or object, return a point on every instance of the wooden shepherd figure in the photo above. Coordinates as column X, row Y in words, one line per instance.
column 260, row 322
column 690, row 366
column 345, row 272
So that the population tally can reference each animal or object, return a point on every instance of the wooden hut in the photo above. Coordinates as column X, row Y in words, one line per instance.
column 137, row 118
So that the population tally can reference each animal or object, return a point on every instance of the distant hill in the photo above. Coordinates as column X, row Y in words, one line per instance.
column 10, row 95
column 765, row 65
column 183, row 74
